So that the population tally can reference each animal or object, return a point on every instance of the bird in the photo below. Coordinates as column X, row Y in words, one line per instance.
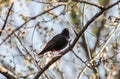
column 57, row 43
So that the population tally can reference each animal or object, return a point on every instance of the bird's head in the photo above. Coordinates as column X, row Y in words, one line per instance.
column 65, row 33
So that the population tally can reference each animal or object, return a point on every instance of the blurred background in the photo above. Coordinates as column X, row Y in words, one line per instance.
column 36, row 26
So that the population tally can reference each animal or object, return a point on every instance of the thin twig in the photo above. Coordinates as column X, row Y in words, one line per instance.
column 6, row 19
column 54, row 17
column 81, row 59
column 85, row 42
column 90, row 3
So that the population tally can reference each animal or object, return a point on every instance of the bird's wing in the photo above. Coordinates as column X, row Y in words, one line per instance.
column 52, row 42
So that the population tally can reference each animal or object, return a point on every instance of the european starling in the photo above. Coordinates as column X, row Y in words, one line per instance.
column 57, row 43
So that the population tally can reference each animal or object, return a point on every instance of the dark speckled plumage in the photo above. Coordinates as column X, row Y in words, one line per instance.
column 57, row 43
